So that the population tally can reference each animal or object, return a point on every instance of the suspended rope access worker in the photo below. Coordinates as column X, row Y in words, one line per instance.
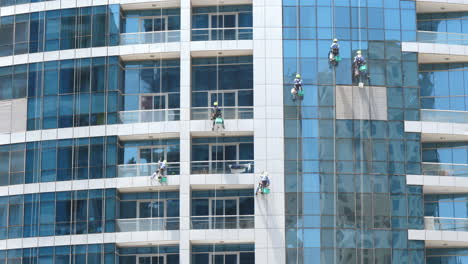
column 359, row 64
column 297, row 89
column 263, row 184
column 160, row 172
column 334, row 54
column 216, row 116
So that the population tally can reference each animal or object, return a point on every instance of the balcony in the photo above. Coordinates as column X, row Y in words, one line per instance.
column 445, row 169
column 444, row 116
column 147, row 224
column 446, row 223
column 223, row 167
column 223, row 222
column 204, row 113
column 442, row 38
column 145, row 169
column 207, row 34
column 149, row 37
column 147, row 116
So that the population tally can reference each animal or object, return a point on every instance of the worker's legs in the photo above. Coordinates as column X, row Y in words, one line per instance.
column 264, row 185
column 259, row 187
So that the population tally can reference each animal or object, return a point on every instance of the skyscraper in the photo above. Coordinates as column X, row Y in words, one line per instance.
column 112, row 149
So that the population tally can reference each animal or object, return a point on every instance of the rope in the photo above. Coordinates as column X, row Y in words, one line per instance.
column 216, row 132
column 298, row 124
column 335, row 194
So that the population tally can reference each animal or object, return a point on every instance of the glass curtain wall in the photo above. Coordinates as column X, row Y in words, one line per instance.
column 148, row 211
column 72, row 93
column 222, row 23
column 346, row 195
column 226, row 80
column 19, row 2
column 445, row 159
column 62, row 29
column 150, row 26
column 58, row 160
column 58, row 213
column 219, row 155
column 223, row 209
column 227, row 254
column 444, row 86
column 151, row 91
column 140, row 158
column 149, row 255
column 93, row 253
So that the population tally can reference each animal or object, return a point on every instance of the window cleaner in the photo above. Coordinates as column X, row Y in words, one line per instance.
column 297, row 90
column 360, row 68
column 334, row 54
column 160, row 172
column 263, row 184
column 216, row 116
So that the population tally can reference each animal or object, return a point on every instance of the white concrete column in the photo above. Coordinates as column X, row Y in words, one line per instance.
column 269, row 130
column 184, row 196
column 185, row 61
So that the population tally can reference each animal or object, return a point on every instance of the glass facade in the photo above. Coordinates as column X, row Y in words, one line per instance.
column 58, row 213
column 443, row 86
column 219, row 155
column 19, row 2
column 223, row 209
column 58, row 160
column 69, row 93
column 94, row 91
column 93, row 253
column 226, row 80
column 72, row 28
column 453, row 22
column 232, row 22
column 228, row 254
column 346, row 195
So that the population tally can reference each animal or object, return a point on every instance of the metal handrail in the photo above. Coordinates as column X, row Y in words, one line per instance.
column 146, row 116
column 444, row 116
column 222, row 222
column 442, row 37
column 240, row 33
column 222, row 166
column 146, row 169
column 147, row 224
column 444, row 169
column 228, row 112
column 445, row 223
column 149, row 37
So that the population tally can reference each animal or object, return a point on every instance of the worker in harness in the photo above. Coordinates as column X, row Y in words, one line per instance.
column 334, row 55
column 359, row 64
column 263, row 184
column 216, row 116
column 297, row 89
column 161, row 171
column 360, row 68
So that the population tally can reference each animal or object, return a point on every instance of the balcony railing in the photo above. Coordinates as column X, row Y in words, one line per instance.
column 223, row 222
column 222, row 167
column 445, row 169
column 147, row 224
column 204, row 34
column 445, row 223
column 442, row 38
column 146, row 169
column 204, row 113
column 145, row 116
column 149, row 37
column 444, row 116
